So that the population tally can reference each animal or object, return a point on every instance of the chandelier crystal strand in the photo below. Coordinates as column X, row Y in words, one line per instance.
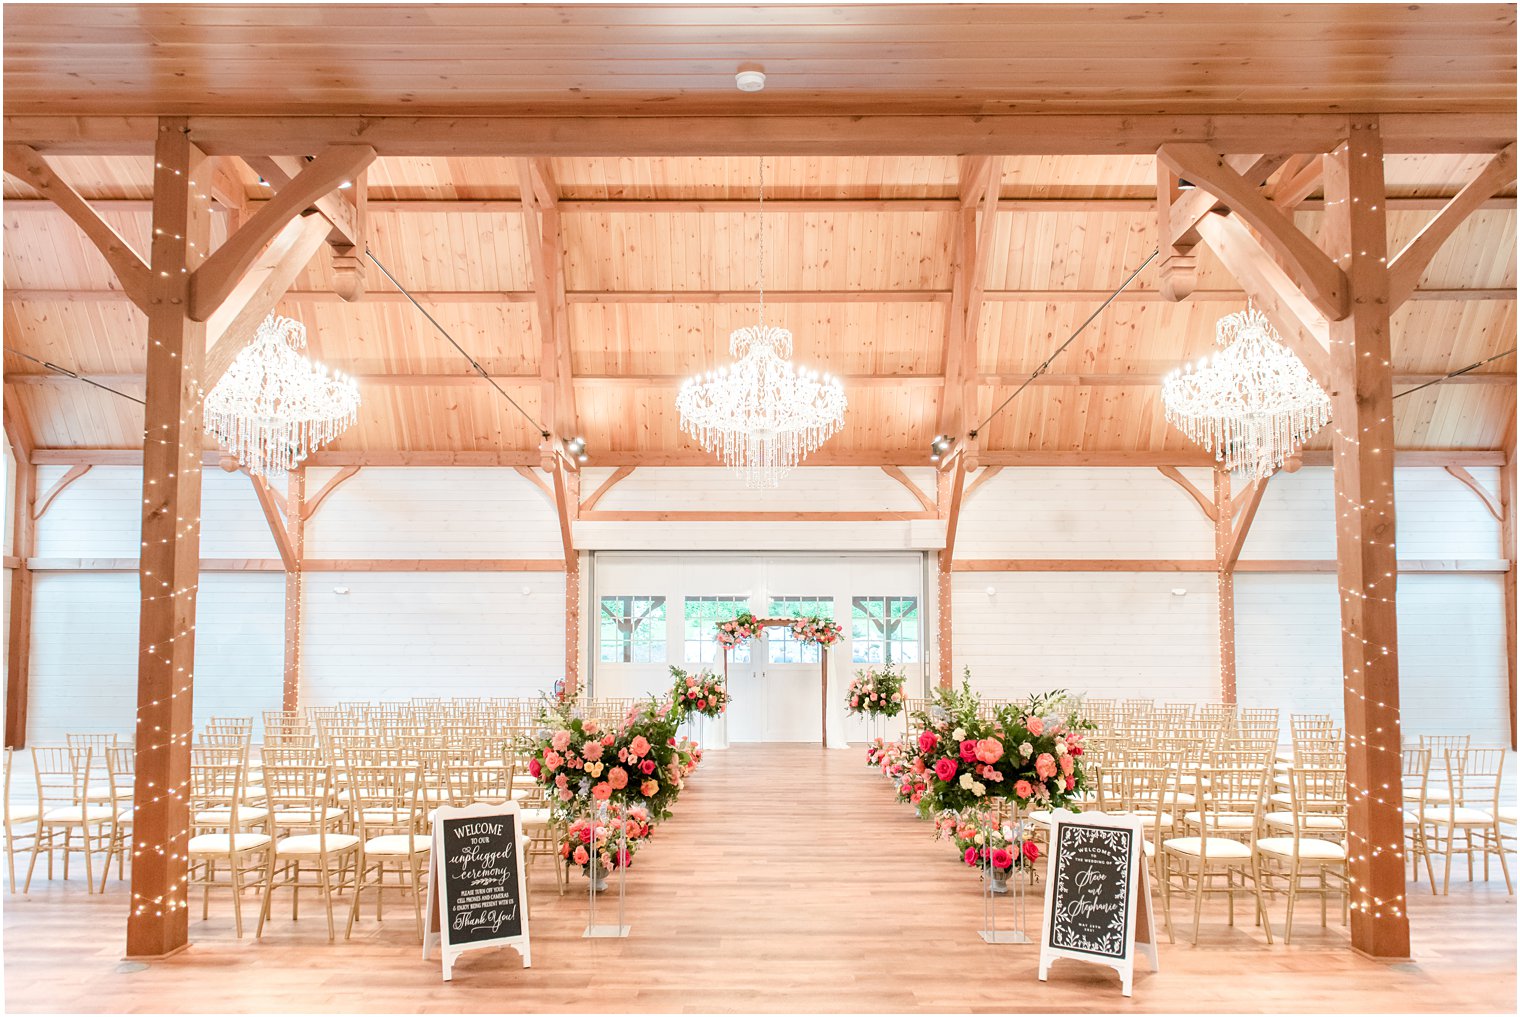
column 762, row 414
column 1254, row 404
column 274, row 407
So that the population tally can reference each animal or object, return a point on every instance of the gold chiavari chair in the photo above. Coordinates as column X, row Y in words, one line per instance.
column 226, row 833
column 1314, row 845
column 121, row 772
column 1415, row 775
column 20, row 823
column 64, row 807
column 299, row 788
column 1471, row 808
column 1229, row 809
column 1438, row 745
column 393, row 835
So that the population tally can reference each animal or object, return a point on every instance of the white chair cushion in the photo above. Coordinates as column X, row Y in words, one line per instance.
column 1311, row 821
column 75, row 814
column 1219, row 847
column 535, row 817
column 1148, row 819
column 1224, row 820
column 1506, row 813
column 1040, row 817
column 296, row 817
column 220, row 844
column 253, row 794
column 310, row 844
column 397, row 844
column 22, row 815
column 1150, row 849
column 1459, row 816
column 221, row 817
column 1319, row 850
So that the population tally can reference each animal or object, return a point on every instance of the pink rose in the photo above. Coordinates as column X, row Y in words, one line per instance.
column 1068, row 764
column 592, row 750
column 691, row 693
column 622, row 755
column 607, row 739
column 970, row 856
column 1022, row 789
column 701, row 704
column 565, row 794
column 552, row 760
column 618, row 778
column 1045, row 765
column 601, row 791
column 989, row 750
column 1001, row 859
column 968, row 750
column 535, row 769
column 1071, row 783
column 649, row 787
column 945, row 769
column 585, row 834
column 560, row 741
column 918, row 764
column 582, row 856
column 1031, row 850
column 927, row 741
column 561, row 781
column 647, row 767
column 854, row 700
column 639, row 746
column 591, row 727
column 1035, row 725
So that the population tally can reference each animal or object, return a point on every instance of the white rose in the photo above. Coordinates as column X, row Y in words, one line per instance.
column 980, row 839
column 1060, row 748
column 978, row 789
column 966, row 781
column 1026, row 750
column 959, row 734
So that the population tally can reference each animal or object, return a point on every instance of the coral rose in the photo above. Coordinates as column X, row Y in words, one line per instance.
column 618, row 778
column 1067, row 764
column 649, row 787
column 927, row 741
column 582, row 856
column 601, row 791
column 1035, row 725
column 989, row 750
column 1071, row 783
column 1045, row 765
column 1023, row 789
column 639, row 746
column 945, row 768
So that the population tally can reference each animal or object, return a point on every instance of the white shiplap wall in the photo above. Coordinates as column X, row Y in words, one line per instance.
column 397, row 635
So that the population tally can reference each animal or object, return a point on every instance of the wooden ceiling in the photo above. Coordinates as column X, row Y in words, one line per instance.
column 289, row 58
column 659, row 251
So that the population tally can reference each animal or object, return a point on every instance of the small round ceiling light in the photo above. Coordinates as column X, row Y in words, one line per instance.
column 750, row 80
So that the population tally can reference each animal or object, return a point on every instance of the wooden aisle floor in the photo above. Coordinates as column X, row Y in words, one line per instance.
column 788, row 880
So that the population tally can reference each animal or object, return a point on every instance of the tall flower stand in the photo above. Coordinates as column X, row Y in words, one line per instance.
column 1013, row 887
column 594, row 930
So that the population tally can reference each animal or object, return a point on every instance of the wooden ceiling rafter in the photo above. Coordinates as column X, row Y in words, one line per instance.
column 546, row 255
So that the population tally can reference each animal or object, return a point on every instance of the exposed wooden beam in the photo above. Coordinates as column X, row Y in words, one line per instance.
column 1301, row 178
column 1507, row 497
column 127, row 265
column 1204, row 501
column 769, row 516
column 275, row 517
column 1490, row 502
column 158, row 919
column 59, row 486
column 973, row 237
column 618, row 476
column 1408, row 265
column 1297, row 318
column 343, row 476
column 1240, row 522
column 134, row 565
column 255, row 296
column 546, row 256
column 341, row 212
column 567, row 507
column 765, row 134
column 23, row 544
column 213, row 282
column 896, row 473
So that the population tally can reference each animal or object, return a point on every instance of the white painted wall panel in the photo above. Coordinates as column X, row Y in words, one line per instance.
column 417, row 512
column 1108, row 634
column 1440, row 517
column 813, row 489
column 84, row 651
column 1062, row 512
column 399, row 635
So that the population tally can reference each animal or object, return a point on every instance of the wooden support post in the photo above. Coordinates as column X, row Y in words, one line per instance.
column 23, row 546
column 1507, row 551
column 952, row 486
column 567, row 494
column 1362, row 401
column 1223, row 532
column 157, row 924
column 295, row 580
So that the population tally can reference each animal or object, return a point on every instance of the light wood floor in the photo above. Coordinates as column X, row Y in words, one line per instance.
column 788, row 880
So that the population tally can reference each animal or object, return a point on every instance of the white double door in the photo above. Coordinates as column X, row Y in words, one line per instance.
column 771, row 698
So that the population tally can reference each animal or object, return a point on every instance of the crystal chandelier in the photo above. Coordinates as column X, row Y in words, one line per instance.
column 274, row 406
column 1253, row 404
column 761, row 414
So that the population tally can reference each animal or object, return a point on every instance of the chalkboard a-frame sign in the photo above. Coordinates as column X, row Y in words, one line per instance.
column 478, row 893
column 1097, row 903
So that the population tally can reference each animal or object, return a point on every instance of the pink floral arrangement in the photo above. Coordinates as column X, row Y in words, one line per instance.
column 815, row 629
column 589, row 841
column 979, row 840
column 701, row 693
column 739, row 630
column 876, row 693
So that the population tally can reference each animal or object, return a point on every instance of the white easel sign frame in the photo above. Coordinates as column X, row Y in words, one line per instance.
column 476, row 852
column 1080, row 885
